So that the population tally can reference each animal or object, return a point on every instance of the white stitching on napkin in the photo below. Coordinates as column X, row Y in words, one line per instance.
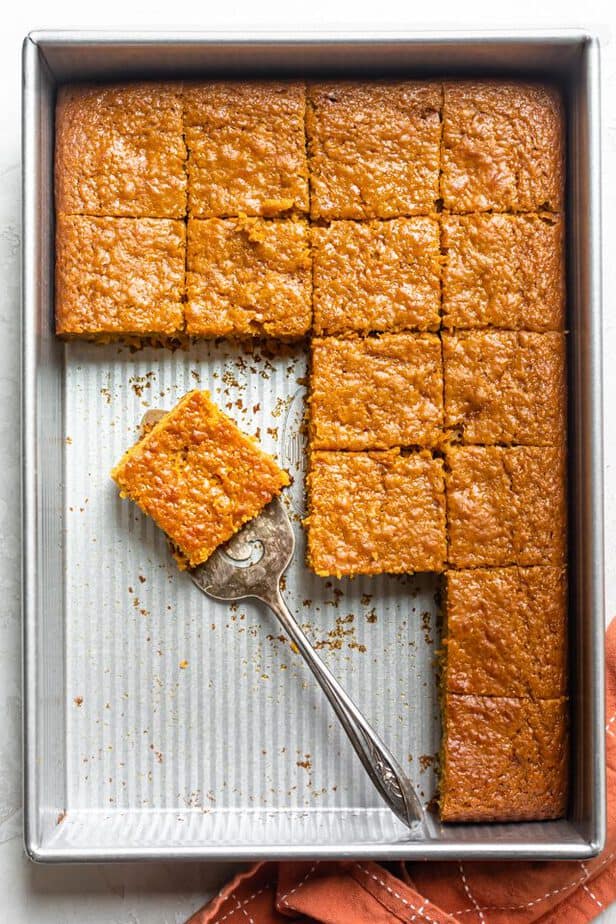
column 472, row 898
column 240, row 905
column 300, row 884
column 418, row 911
column 592, row 895
column 251, row 920
column 537, row 901
column 589, row 891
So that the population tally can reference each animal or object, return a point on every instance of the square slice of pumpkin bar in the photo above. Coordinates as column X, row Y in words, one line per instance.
column 199, row 477
column 376, row 392
column 120, row 150
column 373, row 148
column 119, row 277
column 248, row 277
column 503, row 758
column 247, row 148
column 375, row 513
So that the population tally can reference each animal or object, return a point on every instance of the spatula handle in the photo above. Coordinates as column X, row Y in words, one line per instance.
column 382, row 768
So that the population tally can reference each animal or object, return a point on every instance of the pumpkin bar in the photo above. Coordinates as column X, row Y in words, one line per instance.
column 199, row 477
column 120, row 151
column 506, row 632
column 503, row 271
column 248, row 278
column 375, row 512
column 376, row 276
column 119, row 276
column 376, row 392
column 373, row 148
column 506, row 506
column 505, row 386
column 503, row 147
column 247, row 148
column 503, row 759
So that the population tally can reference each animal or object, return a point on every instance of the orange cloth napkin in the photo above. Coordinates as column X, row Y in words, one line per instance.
column 363, row 892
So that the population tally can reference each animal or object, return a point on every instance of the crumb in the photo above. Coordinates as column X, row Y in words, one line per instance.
column 140, row 382
column 337, row 594
column 342, row 630
column 426, row 625
column 425, row 762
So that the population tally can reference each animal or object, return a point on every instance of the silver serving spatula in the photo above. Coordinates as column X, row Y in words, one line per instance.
column 251, row 565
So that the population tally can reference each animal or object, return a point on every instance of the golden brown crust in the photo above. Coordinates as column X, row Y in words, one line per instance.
column 505, row 387
column 119, row 276
column 376, row 276
column 504, row 759
column 198, row 476
column 503, row 147
column 247, row 148
column 248, row 277
column 373, row 148
column 506, row 506
column 377, row 392
column 507, row 632
column 375, row 512
column 120, row 151
column 504, row 271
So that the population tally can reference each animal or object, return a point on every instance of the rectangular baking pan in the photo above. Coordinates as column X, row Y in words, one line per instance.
column 236, row 756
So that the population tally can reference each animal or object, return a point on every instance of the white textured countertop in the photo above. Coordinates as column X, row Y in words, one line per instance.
column 161, row 893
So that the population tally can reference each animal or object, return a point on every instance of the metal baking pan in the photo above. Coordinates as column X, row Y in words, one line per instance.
column 235, row 755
